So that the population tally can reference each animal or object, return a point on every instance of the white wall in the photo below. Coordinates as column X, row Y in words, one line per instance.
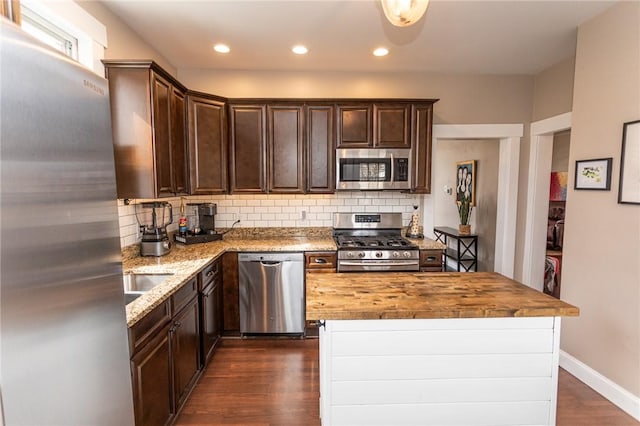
column 560, row 156
column 602, row 238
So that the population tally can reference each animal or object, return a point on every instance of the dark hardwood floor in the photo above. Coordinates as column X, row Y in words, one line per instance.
column 275, row 382
column 257, row 382
column 578, row 404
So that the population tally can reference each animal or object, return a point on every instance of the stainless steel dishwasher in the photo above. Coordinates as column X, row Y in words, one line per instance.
column 271, row 293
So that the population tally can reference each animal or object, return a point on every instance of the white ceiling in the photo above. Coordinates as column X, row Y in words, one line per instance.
column 477, row 36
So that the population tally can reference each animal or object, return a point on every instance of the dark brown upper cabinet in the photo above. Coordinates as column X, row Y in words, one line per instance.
column 248, row 148
column 149, row 130
column 391, row 126
column 207, row 120
column 373, row 125
column 285, row 138
column 321, row 163
column 267, row 148
column 421, row 125
column 354, row 125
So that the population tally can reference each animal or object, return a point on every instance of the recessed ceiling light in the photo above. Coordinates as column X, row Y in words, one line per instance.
column 299, row 49
column 381, row 51
column 221, row 48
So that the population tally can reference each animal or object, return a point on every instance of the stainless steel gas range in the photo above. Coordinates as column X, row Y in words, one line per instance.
column 373, row 242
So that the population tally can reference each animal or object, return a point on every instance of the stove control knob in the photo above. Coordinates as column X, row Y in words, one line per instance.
column 349, row 254
column 396, row 254
column 378, row 254
column 406, row 254
column 361, row 254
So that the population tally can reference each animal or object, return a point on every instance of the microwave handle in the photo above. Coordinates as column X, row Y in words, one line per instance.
column 393, row 172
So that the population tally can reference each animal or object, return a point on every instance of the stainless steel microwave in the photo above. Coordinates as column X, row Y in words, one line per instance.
column 373, row 169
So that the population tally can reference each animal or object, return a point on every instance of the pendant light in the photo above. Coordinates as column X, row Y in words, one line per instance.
column 403, row 13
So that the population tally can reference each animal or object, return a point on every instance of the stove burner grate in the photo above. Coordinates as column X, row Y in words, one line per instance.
column 372, row 242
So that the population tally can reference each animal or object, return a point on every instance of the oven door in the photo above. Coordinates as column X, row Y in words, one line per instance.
column 372, row 265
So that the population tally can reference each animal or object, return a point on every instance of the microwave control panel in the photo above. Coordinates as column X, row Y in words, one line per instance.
column 401, row 169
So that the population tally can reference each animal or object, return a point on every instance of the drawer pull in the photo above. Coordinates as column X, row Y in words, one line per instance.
column 431, row 258
column 320, row 260
column 210, row 273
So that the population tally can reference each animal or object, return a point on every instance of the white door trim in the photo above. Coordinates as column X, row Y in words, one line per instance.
column 540, row 156
column 509, row 136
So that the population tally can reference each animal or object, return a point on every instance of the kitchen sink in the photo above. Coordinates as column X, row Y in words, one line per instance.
column 142, row 282
column 135, row 285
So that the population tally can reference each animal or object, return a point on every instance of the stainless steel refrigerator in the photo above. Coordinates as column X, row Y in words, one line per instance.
column 63, row 342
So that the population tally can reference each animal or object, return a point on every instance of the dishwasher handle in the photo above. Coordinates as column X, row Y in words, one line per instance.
column 270, row 262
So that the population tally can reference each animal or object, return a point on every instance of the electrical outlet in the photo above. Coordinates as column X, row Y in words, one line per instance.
column 303, row 215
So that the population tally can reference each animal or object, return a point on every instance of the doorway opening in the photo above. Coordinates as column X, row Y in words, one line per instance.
column 537, row 212
column 509, row 136
column 556, row 213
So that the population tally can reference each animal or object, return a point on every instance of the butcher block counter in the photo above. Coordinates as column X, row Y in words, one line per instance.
column 357, row 296
column 434, row 349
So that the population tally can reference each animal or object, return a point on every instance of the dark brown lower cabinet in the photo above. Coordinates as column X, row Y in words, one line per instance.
column 430, row 260
column 211, row 309
column 151, row 377
column 185, row 347
column 231, row 294
column 211, row 318
column 165, row 361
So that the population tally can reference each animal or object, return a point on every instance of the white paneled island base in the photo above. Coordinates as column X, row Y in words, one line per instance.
column 475, row 371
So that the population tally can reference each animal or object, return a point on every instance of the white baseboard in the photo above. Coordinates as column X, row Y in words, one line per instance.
column 621, row 397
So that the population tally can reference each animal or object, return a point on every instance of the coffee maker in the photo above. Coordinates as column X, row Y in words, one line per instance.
column 201, row 224
column 155, row 241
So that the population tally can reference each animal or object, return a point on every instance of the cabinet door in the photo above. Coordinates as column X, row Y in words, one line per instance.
column 421, row 117
column 152, row 392
column 286, row 149
column 391, row 126
column 431, row 261
column 179, row 166
column 321, row 163
column 248, row 148
column 207, row 146
column 185, row 346
column 211, row 318
column 354, row 126
column 161, row 91
column 320, row 261
column 231, row 293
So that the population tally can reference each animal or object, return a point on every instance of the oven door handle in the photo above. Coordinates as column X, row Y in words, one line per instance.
column 376, row 263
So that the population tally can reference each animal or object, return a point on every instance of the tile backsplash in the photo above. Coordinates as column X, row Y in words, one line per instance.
column 275, row 210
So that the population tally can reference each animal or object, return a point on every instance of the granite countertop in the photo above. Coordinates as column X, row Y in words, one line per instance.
column 185, row 261
column 355, row 296
column 427, row 244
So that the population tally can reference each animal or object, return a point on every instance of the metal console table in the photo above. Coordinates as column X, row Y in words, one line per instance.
column 463, row 249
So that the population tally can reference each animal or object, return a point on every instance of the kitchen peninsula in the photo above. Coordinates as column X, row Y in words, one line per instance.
column 433, row 349
column 403, row 347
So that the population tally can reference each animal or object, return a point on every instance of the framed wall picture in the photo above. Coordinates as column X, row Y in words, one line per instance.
column 593, row 174
column 466, row 180
column 629, row 189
